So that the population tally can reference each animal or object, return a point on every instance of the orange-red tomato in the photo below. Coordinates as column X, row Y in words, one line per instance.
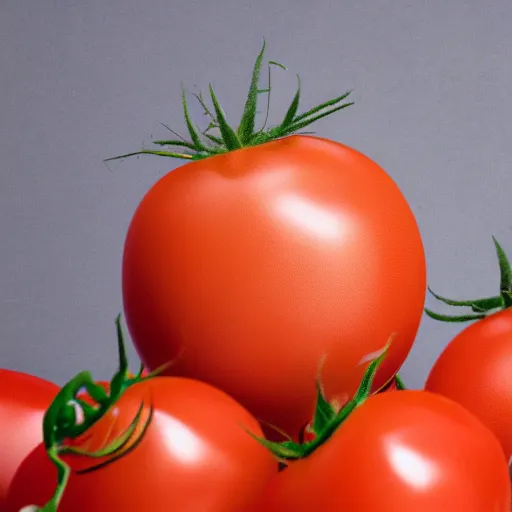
column 398, row 452
column 24, row 399
column 475, row 369
column 194, row 456
column 247, row 268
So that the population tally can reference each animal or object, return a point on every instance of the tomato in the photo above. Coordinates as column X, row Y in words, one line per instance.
column 260, row 261
column 23, row 401
column 475, row 369
column 267, row 252
column 398, row 452
column 194, row 456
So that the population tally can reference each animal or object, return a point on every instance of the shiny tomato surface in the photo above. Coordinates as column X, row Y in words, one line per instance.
column 24, row 399
column 475, row 370
column 247, row 268
column 399, row 452
column 194, row 456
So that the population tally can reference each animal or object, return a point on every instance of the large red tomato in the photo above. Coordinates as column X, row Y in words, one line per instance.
column 195, row 455
column 268, row 252
column 247, row 268
column 398, row 452
column 24, row 399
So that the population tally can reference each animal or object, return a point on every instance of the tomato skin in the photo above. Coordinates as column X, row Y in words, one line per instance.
column 194, row 456
column 24, row 399
column 399, row 452
column 261, row 261
column 475, row 370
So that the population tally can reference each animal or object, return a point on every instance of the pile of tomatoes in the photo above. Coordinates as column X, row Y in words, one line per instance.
column 273, row 286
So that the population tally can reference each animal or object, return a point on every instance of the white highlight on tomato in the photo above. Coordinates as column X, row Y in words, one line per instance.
column 309, row 216
column 180, row 439
column 411, row 466
column 30, row 508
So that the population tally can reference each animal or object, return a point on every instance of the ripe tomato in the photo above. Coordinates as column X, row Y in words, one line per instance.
column 194, row 456
column 475, row 369
column 23, row 400
column 261, row 261
column 398, row 452
column 268, row 252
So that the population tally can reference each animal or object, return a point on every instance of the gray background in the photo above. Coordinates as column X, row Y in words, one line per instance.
column 84, row 80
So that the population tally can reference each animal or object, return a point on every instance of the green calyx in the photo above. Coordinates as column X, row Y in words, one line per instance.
column 400, row 385
column 203, row 144
column 483, row 307
column 61, row 422
column 327, row 417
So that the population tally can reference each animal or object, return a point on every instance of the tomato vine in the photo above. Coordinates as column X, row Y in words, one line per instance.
column 62, row 423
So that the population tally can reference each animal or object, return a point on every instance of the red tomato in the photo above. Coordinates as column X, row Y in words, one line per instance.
column 24, row 399
column 475, row 369
column 194, row 456
column 246, row 268
column 398, row 452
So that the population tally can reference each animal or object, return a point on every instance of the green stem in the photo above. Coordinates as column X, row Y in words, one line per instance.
column 60, row 422
column 399, row 383
column 63, row 472
column 481, row 307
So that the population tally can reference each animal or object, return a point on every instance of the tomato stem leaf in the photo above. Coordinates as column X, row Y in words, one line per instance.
column 60, row 419
column 246, row 126
column 324, row 411
column 477, row 305
column 485, row 306
column 228, row 134
column 399, row 383
column 454, row 318
column 245, row 135
column 291, row 450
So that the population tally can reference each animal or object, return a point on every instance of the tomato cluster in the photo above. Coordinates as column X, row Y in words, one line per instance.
column 273, row 287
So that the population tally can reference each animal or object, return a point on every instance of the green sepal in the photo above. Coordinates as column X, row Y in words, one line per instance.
column 246, row 126
column 305, row 120
column 230, row 139
column 455, row 318
column 123, row 450
column 115, row 446
column 292, row 109
column 477, row 305
column 324, row 411
column 485, row 306
column 291, row 450
column 322, row 106
column 505, row 274
column 216, row 140
column 507, row 299
column 399, row 383
column 228, row 134
column 60, row 422
column 173, row 142
column 194, row 134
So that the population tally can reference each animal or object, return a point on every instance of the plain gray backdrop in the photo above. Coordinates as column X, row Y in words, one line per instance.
column 82, row 80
